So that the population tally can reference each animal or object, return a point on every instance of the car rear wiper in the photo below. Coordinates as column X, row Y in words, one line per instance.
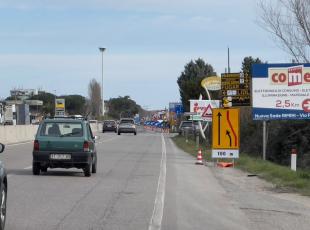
column 69, row 134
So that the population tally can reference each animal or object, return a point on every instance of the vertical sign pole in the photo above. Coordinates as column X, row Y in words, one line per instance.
column 197, row 139
column 228, row 61
column 186, row 135
column 264, row 140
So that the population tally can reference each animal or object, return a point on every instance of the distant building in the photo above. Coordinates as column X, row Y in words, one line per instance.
column 23, row 94
column 27, row 111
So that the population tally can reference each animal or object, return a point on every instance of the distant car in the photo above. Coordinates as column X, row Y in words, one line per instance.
column 64, row 143
column 192, row 127
column 109, row 125
column 35, row 122
column 8, row 122
column 127, row 125
column 3, row 191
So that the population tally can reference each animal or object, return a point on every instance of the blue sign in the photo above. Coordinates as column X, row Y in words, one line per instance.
column 179, row 109
column 281, row 91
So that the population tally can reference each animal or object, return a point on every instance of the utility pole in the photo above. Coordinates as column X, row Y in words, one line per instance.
column 228, row 61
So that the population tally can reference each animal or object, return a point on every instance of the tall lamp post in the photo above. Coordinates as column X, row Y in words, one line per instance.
column 101, row 49
column 55, row 102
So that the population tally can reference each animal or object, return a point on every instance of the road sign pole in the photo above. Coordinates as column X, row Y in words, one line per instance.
column 197, row 139
column 264, row 140
column 186, row 135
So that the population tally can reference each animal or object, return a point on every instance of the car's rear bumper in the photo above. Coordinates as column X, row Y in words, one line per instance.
column 127, row 130
column 78, row 159
column 109, row 129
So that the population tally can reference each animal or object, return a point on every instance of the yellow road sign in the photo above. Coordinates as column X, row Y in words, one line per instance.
column 60, row 104
column 225, row 129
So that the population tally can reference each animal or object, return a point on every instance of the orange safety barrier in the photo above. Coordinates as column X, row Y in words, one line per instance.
column 225, row 164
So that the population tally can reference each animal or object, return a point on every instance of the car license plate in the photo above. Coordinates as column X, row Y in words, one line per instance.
column 54, row 156
column 109, row 126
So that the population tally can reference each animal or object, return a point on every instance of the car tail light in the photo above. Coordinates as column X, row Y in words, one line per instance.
column 36, row 145
column 86, row 146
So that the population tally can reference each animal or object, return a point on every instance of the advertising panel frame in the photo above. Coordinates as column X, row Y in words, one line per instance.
column 281, row 91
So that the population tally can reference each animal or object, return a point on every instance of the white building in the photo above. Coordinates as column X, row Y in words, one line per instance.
column 23, row 94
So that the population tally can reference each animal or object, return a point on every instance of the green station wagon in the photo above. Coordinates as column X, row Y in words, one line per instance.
column 64, row 143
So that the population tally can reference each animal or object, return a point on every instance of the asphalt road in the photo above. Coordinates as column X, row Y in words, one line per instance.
column 142, row 182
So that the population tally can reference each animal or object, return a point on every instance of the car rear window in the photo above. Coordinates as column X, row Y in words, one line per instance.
column 127, row 121
column 109, row 122
column 187, row 124
column 65, row 129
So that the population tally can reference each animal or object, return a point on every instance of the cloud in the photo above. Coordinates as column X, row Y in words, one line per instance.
column 202, row 20
column 184, row 6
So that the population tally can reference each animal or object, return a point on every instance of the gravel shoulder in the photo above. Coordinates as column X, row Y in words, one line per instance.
column 265, row 206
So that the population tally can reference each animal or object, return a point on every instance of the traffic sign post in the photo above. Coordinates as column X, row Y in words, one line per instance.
column 225, row 133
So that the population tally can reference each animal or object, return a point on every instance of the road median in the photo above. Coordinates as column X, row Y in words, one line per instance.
column 17, row 133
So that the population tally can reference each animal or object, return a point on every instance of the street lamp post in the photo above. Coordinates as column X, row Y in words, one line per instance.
column 54, row 102
column 101, row 49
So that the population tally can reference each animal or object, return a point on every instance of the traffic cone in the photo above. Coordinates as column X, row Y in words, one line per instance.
column 199, row 158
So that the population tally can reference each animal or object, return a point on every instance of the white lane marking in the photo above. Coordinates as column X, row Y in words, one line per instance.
column 29, row 167
column 16, row 144
column 110, row 139
column 158, row 211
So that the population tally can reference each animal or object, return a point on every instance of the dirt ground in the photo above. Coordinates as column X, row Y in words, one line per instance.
column 265, row 206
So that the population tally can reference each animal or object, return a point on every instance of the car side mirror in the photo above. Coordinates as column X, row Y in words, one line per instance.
column 2, row 147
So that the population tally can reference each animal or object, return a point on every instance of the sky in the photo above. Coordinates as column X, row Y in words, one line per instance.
column 53, row 44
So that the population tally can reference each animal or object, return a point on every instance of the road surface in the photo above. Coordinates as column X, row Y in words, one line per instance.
column 144, row 182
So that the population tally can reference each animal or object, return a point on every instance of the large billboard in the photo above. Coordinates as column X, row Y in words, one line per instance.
column 281, row 91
